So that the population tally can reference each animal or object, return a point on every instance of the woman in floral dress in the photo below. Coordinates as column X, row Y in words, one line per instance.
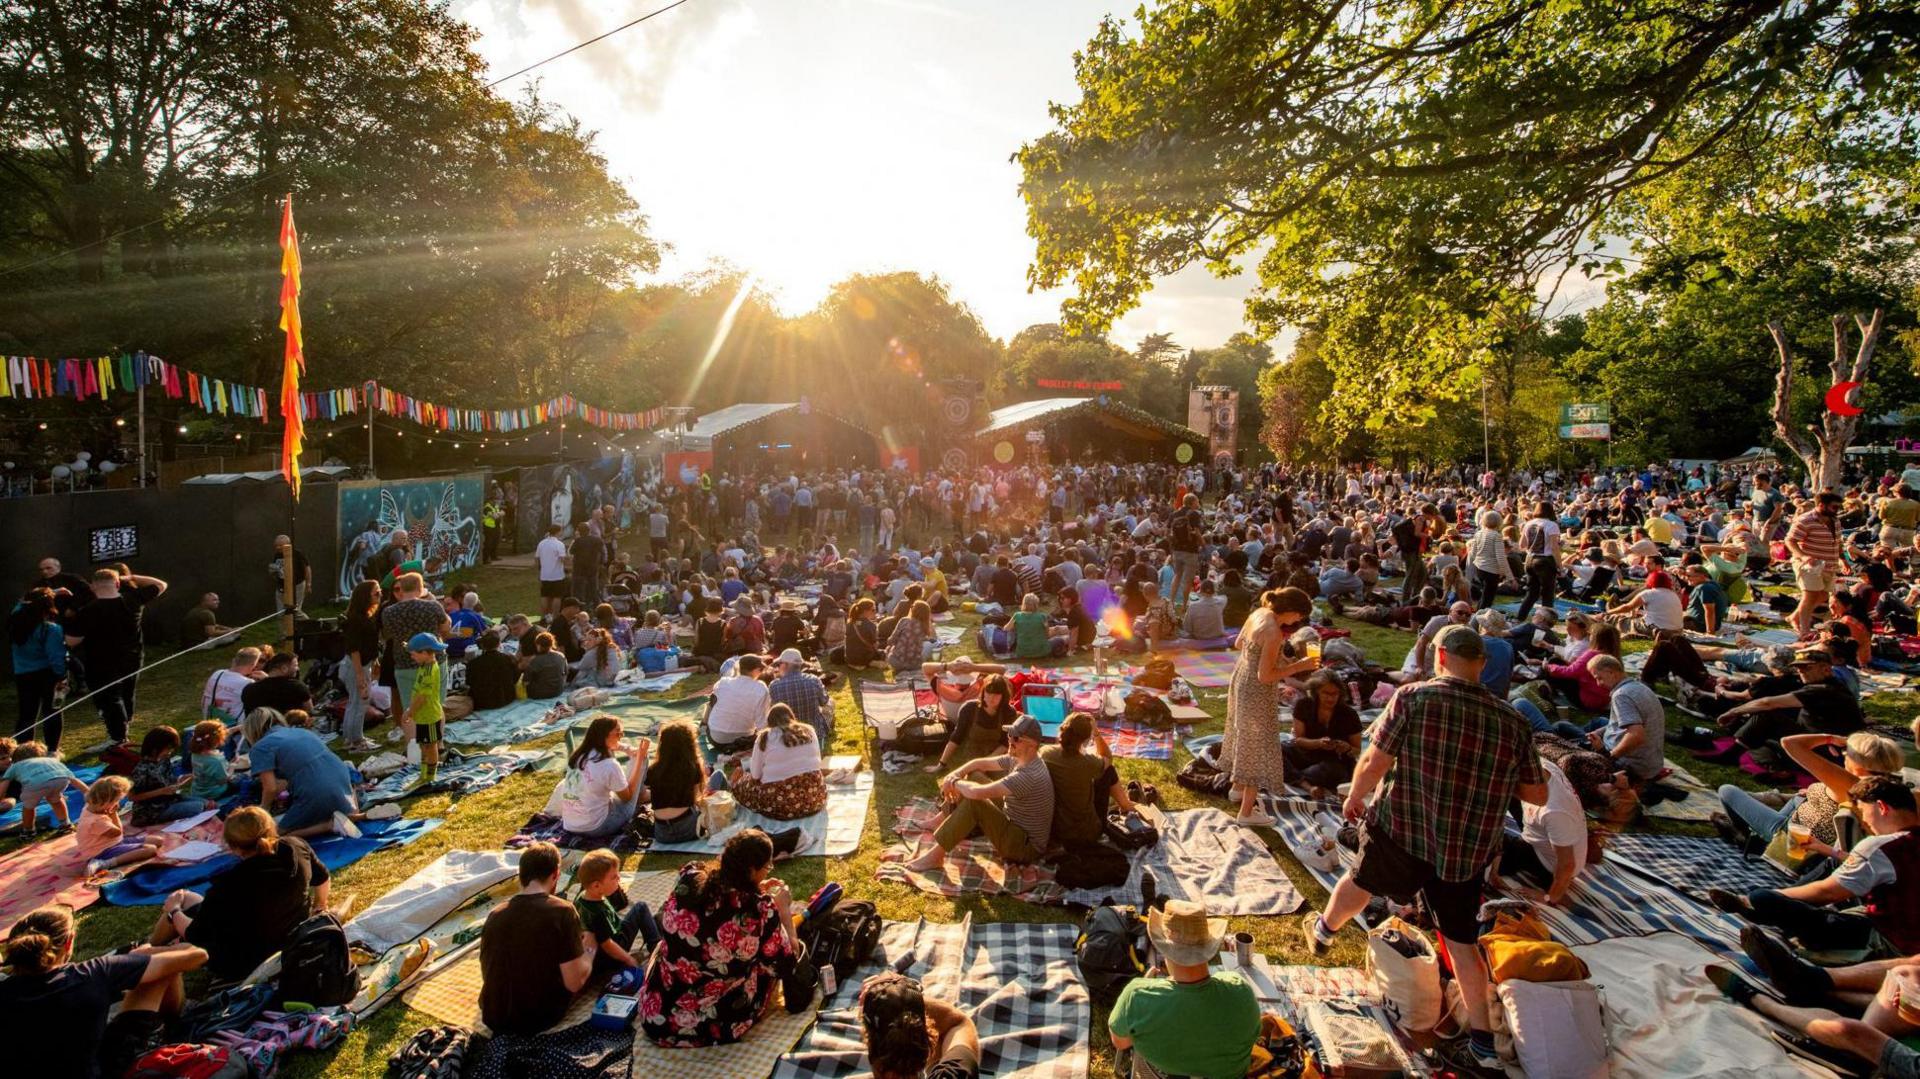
column 1250, row 752
column 726, row 941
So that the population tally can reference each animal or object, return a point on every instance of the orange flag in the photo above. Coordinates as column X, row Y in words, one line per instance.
column 296, row 360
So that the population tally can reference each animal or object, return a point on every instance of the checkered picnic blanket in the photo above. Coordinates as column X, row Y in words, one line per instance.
column 1206, row 670
column 972, row 868
column 1138, row 741
column 1608, row 901
column 1017, row 981
column 1204, row 857
column 1692, row 864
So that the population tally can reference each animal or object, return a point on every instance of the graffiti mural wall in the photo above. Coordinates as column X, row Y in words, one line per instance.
column 441, row 515
column 564, row 494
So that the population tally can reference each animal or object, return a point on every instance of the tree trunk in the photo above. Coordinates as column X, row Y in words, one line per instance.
column 1822, row 447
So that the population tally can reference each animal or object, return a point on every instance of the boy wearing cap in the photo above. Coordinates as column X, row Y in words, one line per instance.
column 1014, row 812
column 909, row 1035
column 1194, row 1020
column 426, row 710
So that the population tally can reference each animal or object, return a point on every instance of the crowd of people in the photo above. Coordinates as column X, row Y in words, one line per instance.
column 1510, row 702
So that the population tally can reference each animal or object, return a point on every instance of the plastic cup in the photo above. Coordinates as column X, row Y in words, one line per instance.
column 1799, row 836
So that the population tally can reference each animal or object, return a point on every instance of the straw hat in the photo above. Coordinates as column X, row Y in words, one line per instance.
column 1182, row 933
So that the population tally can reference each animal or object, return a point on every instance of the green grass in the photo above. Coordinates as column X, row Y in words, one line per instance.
column 171, row 694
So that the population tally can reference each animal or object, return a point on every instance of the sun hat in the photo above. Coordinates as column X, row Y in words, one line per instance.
column 1182, row 933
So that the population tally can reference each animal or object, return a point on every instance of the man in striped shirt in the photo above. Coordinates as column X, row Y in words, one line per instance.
column 1814, row 546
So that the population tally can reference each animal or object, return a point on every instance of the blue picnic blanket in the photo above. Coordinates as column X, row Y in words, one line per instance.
column 1693, row 864
column 76, row 801
column 516, row 722
column 458, row 774
column 150, row 887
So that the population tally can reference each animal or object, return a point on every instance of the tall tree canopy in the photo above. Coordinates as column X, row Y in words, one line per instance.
column 1410, row 177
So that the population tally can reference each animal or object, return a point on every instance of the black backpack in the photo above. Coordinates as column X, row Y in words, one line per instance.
column 1111, row 951
column 1202, row 775
column 923, row 733
column 1148, row 710
column 1131, row 831
column 844, row 936
column 315, row 965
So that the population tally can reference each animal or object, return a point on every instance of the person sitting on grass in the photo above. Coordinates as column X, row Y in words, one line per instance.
column 101, row 837
column 42, row 778
column 212, row 773
column 1551, row 849
column 1882, row 873
column 980, row 728
column 783, row 776
column 427, row 710
column 598, row 796
column 1205, row 616
column 1822, row 705
column 1033, row 638
column 1326, row 735
column 157, row 796
column 1085, row 784
column 909, row 1035
column 599, row 904
column 1015, row 812
column 1185, row 1018
column 56, row 1024
column 1748, row 820
column 678, row 784
column 534, row 952
column 249, row 909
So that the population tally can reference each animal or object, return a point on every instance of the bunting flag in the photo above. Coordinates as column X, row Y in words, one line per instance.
column 31, row 378
column 295, row 362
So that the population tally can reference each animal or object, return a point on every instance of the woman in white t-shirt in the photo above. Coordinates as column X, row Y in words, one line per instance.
column 783, row 776
column 599, row 795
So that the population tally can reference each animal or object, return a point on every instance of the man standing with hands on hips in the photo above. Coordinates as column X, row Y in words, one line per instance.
column 1448, row 757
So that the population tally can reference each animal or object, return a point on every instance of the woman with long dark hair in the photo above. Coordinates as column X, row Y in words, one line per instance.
column 39, row 665
column 699, row 994
column 679, row 784
column 980, row 730
column 598, row 796
column 361, row 629
column 782, row 778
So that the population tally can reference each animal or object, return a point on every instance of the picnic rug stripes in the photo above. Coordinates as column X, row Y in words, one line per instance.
column 1693, row 864
column 1018, row 983
column 1205, row 670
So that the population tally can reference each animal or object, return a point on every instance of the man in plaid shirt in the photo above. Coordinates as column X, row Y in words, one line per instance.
column 804, row 693
column 1453, row 757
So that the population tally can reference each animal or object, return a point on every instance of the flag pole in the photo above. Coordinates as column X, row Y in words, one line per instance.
column 293, row 363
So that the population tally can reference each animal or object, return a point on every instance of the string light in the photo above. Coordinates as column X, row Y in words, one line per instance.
column 43, row 425
column 183, row 428
column 120, row 422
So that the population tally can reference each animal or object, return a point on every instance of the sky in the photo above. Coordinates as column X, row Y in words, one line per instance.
column 805, row 140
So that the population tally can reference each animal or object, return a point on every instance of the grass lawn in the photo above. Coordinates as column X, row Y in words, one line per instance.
column 171, row 694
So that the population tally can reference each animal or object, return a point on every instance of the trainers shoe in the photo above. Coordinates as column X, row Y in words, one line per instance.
column 1254, row 820
column 1729, row 902
column 396, row 734
column 343, row 825
column 383, row 811
column 1310, row 930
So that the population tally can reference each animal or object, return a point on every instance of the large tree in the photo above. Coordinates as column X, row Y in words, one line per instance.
column 1413, row 177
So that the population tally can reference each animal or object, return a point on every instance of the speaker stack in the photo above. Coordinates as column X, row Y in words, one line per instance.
column 963, row 408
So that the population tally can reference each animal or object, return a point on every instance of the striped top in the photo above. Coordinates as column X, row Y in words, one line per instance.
column 1816, row 537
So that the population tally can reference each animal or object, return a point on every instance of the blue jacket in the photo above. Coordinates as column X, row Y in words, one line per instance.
column 44, row 650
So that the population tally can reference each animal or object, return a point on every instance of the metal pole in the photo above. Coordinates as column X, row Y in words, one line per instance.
column 1486, row 439
column 140, row 396
column 371, row 387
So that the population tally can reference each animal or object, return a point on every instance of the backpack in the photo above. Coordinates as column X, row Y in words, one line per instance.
column 1158, row 674
column 923, row 733
column 119, row 760
column 1202, row 775
column 1092, row 865
column 232, row 1008
column 1110, row 952
column 315, row 966
column 433, row 1053
column 844, row 935
column 1131, row 832
column 1148, row 710
column 183, row 1061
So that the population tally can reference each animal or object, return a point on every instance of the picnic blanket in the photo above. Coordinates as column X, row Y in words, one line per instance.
column 521, row 721
column 52, row 871
column 1664, row 1018
column 460, row 773
column 1136, row 740
column 1016, row 981
column 433, row 892
column 1609, row 901
column 76, row 801
column 972, row 868
column 1693, row 864
column 1206, row 670
column 452, row 995
column 1289, row 989
column 1204, row 857
column 546, row 828
column 835, row 829
column 1199, row 644
column 149, row 887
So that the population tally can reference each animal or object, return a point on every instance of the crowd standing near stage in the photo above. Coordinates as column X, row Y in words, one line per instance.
column 1518, row 703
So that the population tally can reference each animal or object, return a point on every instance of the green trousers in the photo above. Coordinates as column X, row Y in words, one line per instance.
column 976, row 815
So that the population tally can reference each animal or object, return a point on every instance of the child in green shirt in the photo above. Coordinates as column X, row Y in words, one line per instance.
column 426, row 710
column 613, row 934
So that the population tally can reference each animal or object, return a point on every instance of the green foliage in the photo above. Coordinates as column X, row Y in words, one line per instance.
column 1407, row 177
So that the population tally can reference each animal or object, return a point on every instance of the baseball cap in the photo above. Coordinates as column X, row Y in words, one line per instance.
column 791, row 657
column 425, row 642
column 1026, row 727
column 1463, row 642
column 1812, row 655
